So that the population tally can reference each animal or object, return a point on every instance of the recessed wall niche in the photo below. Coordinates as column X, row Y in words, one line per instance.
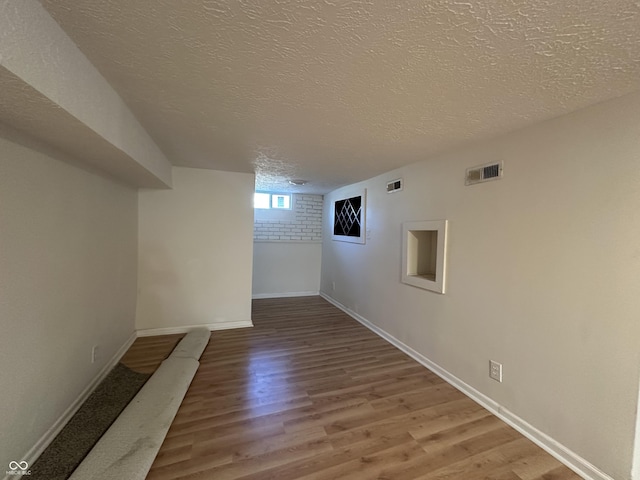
column 424, row 246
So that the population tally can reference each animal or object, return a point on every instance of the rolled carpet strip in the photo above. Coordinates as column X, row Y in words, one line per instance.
column 192, row 345
column 88, row 424
column 128, row 448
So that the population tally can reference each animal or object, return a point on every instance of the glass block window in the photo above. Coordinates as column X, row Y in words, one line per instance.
column 348, row 217
column 272, row 200
column 281, row 201
column 261, row 200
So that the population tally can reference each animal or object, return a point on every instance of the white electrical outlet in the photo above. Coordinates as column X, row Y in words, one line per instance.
column 95, row 352
column 333, row 286
column 495, row 370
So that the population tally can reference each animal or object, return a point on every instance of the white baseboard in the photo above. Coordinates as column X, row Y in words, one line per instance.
column 572, row 460
column 32, row 455
column 285, row 295
column 152, row 332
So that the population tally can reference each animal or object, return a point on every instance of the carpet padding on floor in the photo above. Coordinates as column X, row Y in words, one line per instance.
column 89, row 423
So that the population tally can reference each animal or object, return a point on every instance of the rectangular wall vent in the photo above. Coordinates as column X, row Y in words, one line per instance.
column 483, row 173
column 394, row 186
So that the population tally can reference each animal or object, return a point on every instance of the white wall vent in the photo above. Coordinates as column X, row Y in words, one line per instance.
column 394, row 186
column 483, row 173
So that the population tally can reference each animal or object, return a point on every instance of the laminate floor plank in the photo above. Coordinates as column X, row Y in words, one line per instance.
column 309, row 393
column 534, row 466
column 147, row 353
column 333, row 461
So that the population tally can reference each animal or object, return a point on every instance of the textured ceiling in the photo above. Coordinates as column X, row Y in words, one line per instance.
column 338, row 91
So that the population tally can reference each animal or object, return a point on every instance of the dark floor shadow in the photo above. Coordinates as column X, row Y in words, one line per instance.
column 85, row 428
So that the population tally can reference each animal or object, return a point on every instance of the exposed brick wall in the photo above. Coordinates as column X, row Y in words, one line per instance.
column 303, row 224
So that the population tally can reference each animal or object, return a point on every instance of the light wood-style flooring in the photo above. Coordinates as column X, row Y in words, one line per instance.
column 309, row 393
column 147, row 353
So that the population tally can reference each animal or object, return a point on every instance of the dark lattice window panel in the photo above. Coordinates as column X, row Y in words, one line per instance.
column 348, row 217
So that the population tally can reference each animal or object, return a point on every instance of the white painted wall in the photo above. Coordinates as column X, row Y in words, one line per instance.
column 635, row 472
column 283, row 269
column 196, row 251
column 68, row 246
column 288, row 248
column 542, row 274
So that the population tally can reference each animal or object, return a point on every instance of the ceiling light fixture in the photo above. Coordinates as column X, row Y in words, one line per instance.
column 298, row 182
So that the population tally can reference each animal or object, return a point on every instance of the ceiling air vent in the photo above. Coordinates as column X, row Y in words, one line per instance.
column 483, row 173
column 394, row 186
